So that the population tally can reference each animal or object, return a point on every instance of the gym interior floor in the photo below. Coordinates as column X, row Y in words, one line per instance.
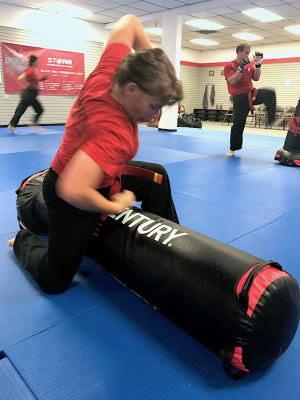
column 99, row 340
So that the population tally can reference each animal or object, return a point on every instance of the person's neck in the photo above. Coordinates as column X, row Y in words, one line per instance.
column 116, row 94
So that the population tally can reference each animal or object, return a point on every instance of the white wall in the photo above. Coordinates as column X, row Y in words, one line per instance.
column 276, row 50
column 52, row 30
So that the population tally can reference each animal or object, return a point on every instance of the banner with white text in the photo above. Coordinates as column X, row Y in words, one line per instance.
column 64, row 70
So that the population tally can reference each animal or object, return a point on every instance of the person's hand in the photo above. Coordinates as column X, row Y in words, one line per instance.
column 258, row 59
column 243, row 64
column 123, row 200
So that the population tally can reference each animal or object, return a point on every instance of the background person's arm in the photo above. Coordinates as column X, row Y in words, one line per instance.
column 130, row 31
column 78, row 184
column 23, row 79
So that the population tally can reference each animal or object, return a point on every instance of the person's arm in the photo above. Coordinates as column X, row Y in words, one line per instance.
column 256, row 74
column 233, row 79
column 78, row 184
column 257, row 63
column 130, row 31
column 22, row 78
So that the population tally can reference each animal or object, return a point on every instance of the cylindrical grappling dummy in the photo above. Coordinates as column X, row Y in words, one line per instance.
column 290, row 153
column 243, row 308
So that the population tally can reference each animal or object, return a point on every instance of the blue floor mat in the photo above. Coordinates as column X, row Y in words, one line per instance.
column 26, row 311
column 123, row 349
column 278, row 240
column 12, row 386
column 267, row 193
column 99, row 340
column 203, row 217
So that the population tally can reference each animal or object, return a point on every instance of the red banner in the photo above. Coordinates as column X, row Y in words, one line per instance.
column 64, row 69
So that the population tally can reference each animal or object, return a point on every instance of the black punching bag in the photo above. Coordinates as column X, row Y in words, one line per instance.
column 240, row 306
column 243, row 308
column 290, row 153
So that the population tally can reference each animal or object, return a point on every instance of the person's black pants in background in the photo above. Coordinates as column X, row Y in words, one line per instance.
column 53, row 266
column 241, row 110
column 28, row 98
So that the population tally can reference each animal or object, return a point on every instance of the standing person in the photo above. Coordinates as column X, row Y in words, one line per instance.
column 30, row 79
column 101, row 136
column 239, row 74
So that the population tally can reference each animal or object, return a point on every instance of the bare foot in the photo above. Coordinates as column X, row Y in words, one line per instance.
column 230, row 153
column 11, row 242
column 37, row 128
column 12, row 129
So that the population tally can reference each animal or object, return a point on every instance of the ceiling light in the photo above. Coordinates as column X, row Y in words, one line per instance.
column 293, row 29
column 247, row 36
column 262, row 14
column 154, row 31
column 205, row 42
column 204, row 24
column 68, row 10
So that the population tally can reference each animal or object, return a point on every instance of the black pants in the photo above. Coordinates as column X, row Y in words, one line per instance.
column 28, row 98
column 53, row 266
column 241, row 110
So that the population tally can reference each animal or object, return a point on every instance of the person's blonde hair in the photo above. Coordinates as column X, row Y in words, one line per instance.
column 152, row 71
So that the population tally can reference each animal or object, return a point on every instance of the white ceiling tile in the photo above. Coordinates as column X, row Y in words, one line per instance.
column 296, row 5
column 130, row 10
column 192, row 1
column 168, row 3
column 103, row 19
column 112, row 13
column 202, row 14
column 145, row 6
column 239, row 17
column 221, row 20
column 122, row 2
column 258, row 24
column 284, row 10
column 267, row 3
column 242, row 6
column 223, row 11
column 101, row 4
column 292, row 20
column 282, row 23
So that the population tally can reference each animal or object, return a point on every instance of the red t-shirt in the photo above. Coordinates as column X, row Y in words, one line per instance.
column 97, row 124
column 245, row 83
column 32, row 77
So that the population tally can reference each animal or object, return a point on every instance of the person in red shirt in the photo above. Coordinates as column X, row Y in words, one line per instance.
column 239, row 74
column 101, row 136
column 30, row 79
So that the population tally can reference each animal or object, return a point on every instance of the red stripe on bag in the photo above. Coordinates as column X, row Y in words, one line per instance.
column 263, row 279
column 237, row 359
column 31, row 177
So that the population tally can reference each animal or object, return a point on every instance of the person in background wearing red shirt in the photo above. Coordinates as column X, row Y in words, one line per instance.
column 29, row 95
column 101, row 136
column 239, row 74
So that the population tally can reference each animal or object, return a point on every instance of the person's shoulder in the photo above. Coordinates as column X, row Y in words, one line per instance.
column 118, row 50
column 230, row 63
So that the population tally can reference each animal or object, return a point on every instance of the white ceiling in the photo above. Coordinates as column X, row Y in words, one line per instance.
column 225, row 12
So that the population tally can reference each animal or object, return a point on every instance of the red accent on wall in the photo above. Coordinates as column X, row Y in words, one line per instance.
column 222, row 64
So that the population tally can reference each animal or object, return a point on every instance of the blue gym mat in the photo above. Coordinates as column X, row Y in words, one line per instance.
column 99, row 340
column 12, row 385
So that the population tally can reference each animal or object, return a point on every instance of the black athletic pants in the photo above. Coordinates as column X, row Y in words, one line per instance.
column 28, row 98
column 53, row 266
column 241, row 110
